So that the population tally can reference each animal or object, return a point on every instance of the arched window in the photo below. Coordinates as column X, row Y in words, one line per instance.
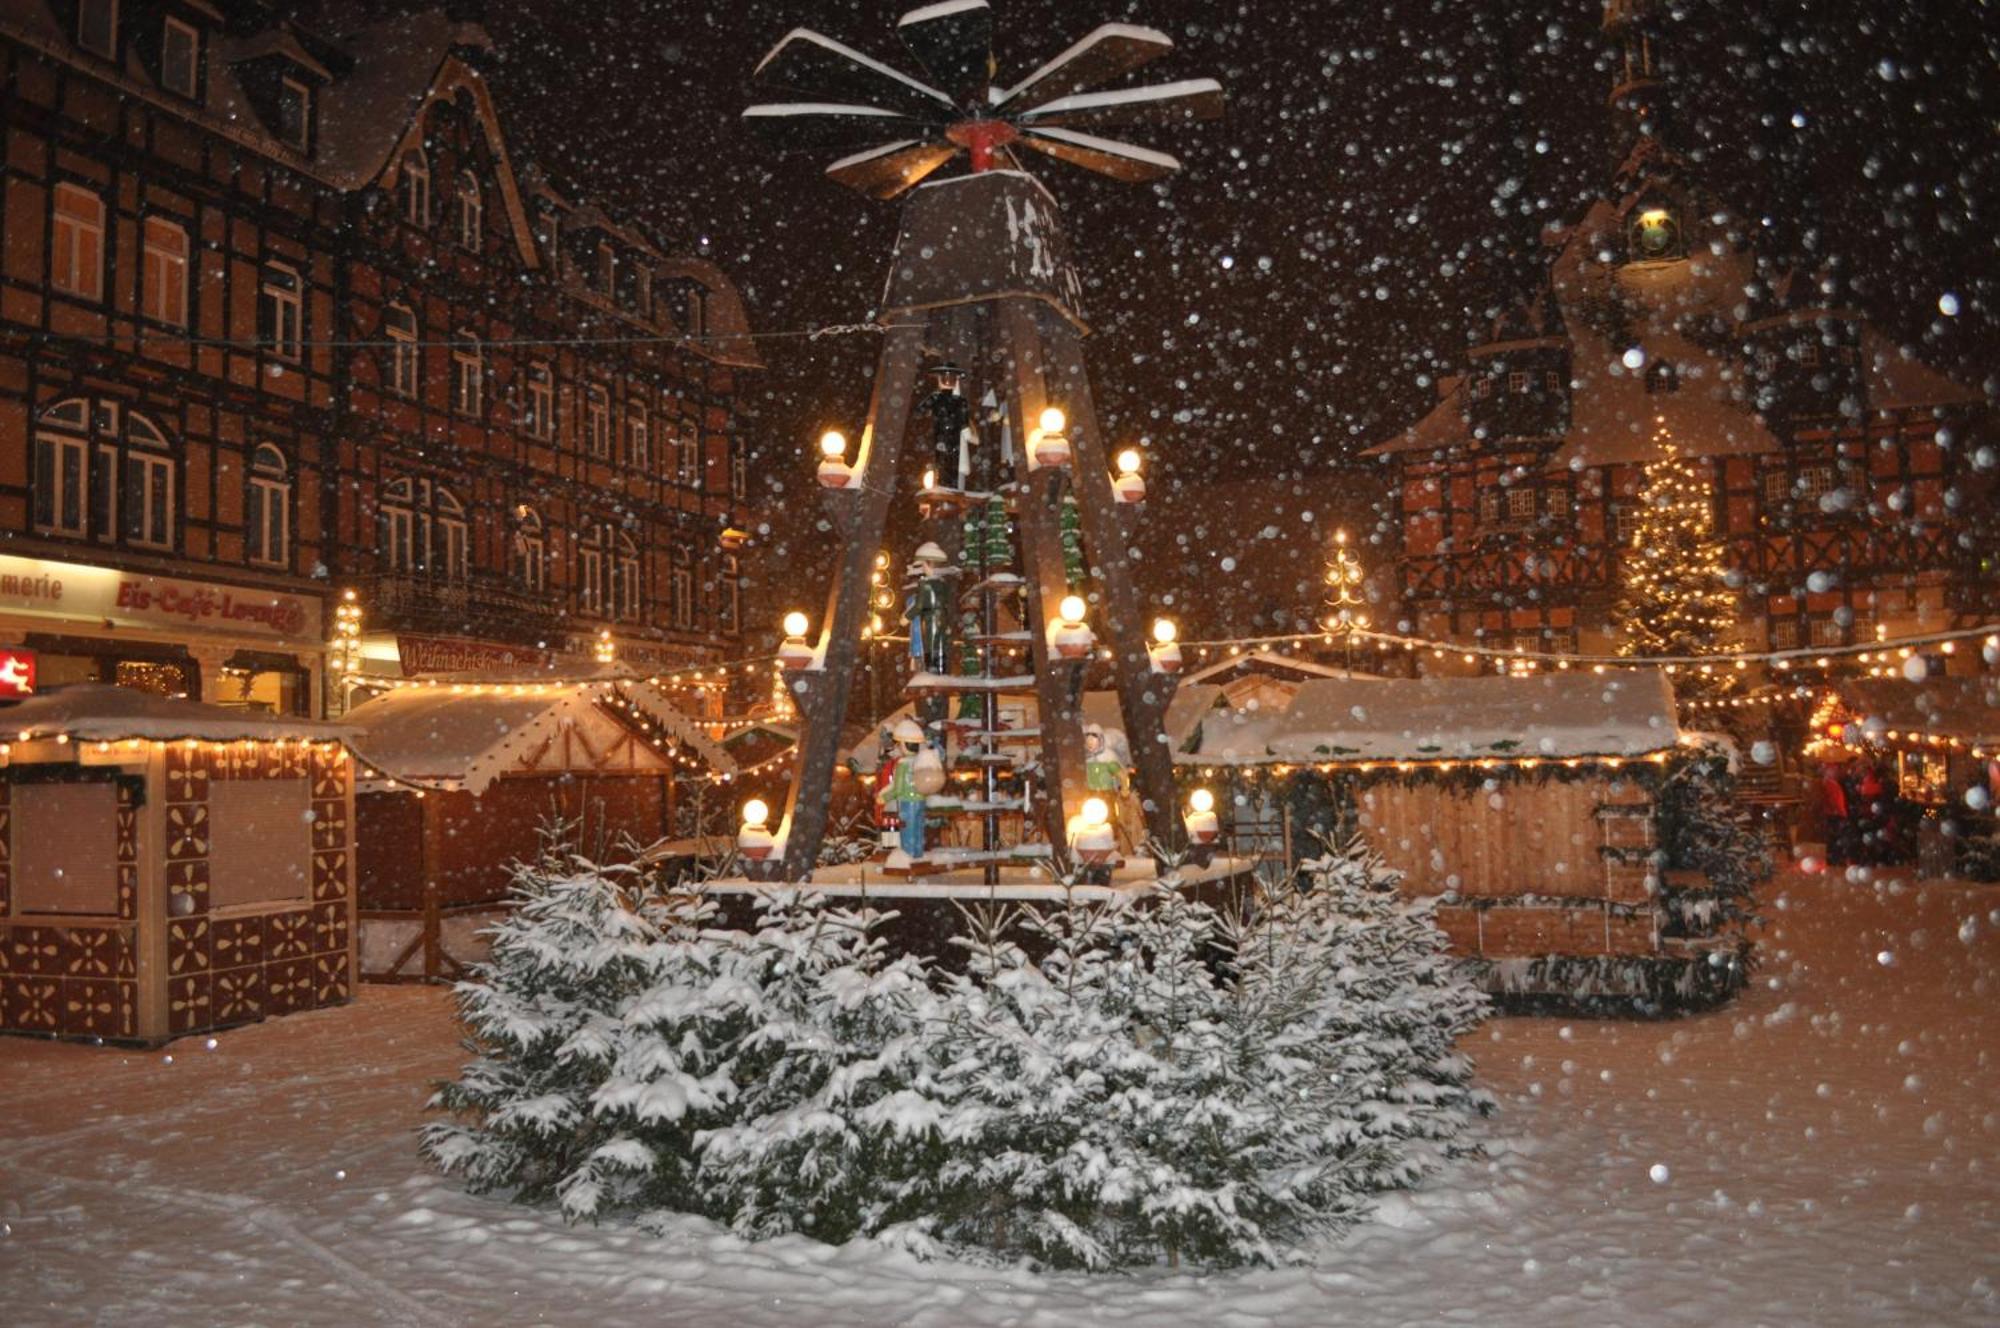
column 531, row 551
column 625, row 600
column 416, row 187
column 270, row 507
column 104, row 474
column 471, row 211
column 423, row 530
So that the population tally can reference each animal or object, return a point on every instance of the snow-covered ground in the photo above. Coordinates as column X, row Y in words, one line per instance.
column 1827, row 1152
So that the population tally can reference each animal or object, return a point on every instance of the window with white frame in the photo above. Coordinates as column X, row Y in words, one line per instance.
column 1517, row 381
column 149, row 485
column 423, row 529
column 1815, row 482
column 103, row 473
column 531, row 551
column 415, row 184
column 729, row 603
column 471, row 211
column 739, row 470
column 1777, row 487
column 468, row 374
column 295, row 111
column 399, row 325
column 1827, row 631
column 1558, row 501
column 281, row 311
column 1551, row 380
column 97, row 27
column 180, row 59
column 1489, row 506
column 1520, row 503
column 597, row 420
column 538, row 414
column 1482, row 387
column 164, row 295
column 592, row 587
column 638, row 451
column 77, row 235
column 687, row 454
column 1807, row 353
column 1784, row 633
column 683, row 589
column 270, row 507
column 625, row 601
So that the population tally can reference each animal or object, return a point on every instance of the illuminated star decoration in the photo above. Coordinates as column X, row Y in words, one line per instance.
column 861, row 101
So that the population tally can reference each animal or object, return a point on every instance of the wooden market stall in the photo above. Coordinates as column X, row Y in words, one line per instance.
column 1526, row 806
column 458, row 781
column 1937, row 741
column 170, row 867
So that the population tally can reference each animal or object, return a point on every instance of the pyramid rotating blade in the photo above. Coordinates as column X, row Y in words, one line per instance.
column 1110, row 52
column 888, row 170
column 953, row 41
column 824, row 124
column 1189, row 99
column 1107, row 156
column 818, row 66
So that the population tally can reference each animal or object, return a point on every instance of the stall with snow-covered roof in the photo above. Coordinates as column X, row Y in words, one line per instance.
column 1526, row 805
column 458, row 779
column 169, row 867
column 1937, row 742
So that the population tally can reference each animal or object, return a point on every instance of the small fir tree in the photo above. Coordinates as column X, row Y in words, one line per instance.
column 1676, row 598
column 545, row 1015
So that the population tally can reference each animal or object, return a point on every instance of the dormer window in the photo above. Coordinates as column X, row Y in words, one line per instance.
column 416, row 187
column 607, row 269
column 97, row 27
column 1517, row 382
column 180, row 59
column 1655, row 234
column 471, row 211
column 1663, row 377
column 295, row 104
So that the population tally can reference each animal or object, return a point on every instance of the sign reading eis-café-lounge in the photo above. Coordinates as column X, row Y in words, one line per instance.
column 33, row 588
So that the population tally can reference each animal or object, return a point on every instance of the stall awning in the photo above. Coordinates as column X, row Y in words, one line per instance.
column 99, row 712
column 1556, row 716
column 1965, row 709
column 464, row 737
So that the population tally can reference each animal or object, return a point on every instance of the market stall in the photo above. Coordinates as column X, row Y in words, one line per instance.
column 168, row 867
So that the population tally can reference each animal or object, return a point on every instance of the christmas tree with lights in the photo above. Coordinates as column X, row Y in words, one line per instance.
column 1677, row 600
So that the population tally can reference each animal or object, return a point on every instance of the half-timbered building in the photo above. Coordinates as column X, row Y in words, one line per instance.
column 282, row 318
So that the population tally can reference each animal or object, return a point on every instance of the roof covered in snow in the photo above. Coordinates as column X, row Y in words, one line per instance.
column 465, row 737
column 1557, row 716
column 98, row 712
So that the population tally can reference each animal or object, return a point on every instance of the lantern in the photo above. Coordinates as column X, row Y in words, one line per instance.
column 1069, row 637
column 834, row 472
column 1128, row 485
column 1202, row 825
column 795, row 652
column 754, row 839
column 1051, row 444
column 1165, row 652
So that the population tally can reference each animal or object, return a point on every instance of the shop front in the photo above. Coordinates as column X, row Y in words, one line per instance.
column 248, row 647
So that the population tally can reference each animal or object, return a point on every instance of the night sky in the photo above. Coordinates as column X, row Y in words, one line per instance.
column 1374, row 193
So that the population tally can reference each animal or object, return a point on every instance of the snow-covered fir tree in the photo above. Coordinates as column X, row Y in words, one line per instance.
column 546, row 1014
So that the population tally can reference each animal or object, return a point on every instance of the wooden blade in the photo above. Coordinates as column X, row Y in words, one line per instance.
column 888, row 170
column 1110, row 52
column 1189, row 99
column 953, row 41
column 817, row 65
column 1106, row 156
column 822, row 124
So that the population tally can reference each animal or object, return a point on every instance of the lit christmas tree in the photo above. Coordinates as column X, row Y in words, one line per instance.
column 1346, row 606
column 1677, row 599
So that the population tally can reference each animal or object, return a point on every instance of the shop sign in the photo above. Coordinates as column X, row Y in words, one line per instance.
column 420, row 655
column 17, row 674
column 33, row 588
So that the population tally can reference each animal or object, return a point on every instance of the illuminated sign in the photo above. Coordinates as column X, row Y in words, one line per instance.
column 33, row 588
column 17, row 674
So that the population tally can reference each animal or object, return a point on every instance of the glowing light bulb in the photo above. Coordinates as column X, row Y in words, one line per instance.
column 1128, row 461
column 795, row 623
column 1095, row 812
column 833, row 444
column 1164, row 631
column 1072, row 609
column 1201, row 800
column 1053, row 420
column 756, row 812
